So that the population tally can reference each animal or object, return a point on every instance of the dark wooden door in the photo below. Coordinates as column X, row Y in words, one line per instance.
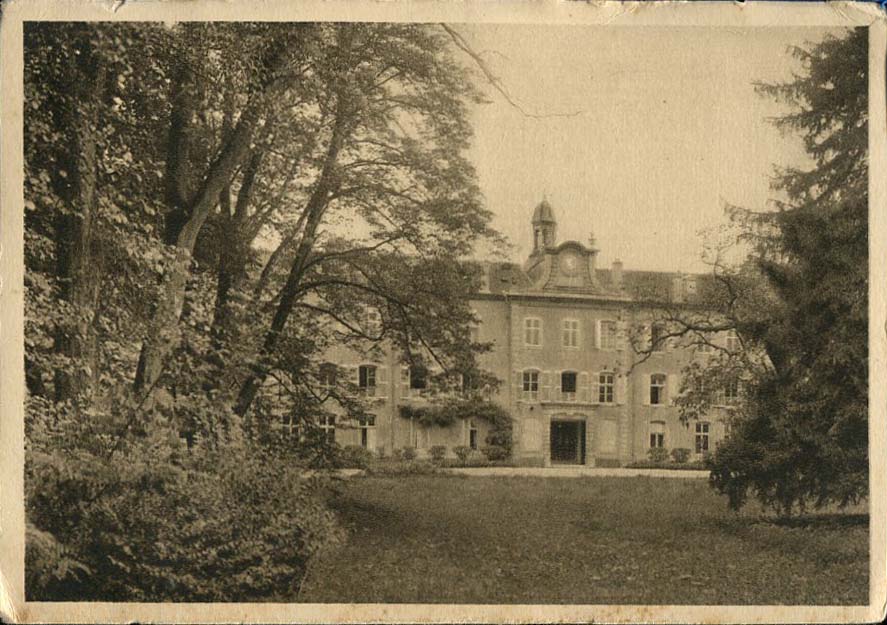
column 568, row 442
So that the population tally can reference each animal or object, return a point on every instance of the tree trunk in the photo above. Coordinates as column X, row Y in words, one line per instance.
column 234, row 249
column 314, row 210
column 76, row 230
column 163, row 329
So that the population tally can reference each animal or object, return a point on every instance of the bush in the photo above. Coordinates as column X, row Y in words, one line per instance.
column 462, row 453
column 407, row 453
column 381, row 452
column 401, row 468
column 355, row 457
column 155, row 522
column 680, row 454
column 438, row 452
column 658, row 454
column 495, row 452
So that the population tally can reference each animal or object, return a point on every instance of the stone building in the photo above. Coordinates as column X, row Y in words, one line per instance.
column 561, row 331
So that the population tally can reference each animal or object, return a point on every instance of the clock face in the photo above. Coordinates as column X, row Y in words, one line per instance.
column 569, row 264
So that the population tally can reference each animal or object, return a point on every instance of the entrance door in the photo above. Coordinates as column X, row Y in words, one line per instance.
column 568, row 442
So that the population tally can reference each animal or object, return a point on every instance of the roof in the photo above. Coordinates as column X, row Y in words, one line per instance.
column 544, row 213
column 650, row 286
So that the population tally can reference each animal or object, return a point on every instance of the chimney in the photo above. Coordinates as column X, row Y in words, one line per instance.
column 616, row 274
column 677, row 288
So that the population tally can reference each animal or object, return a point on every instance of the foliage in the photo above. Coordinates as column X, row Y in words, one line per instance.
column 355, row 457
column 151, row 520
column 658, row 455
column 438, row 452
column 668, row 465
column 462, row 453
column 495, row 452
column 161, row 163
column 798, row 305
column 803, row 436
column 406, row 453
column 401, row 468
column 680, row 454
column 452, row 410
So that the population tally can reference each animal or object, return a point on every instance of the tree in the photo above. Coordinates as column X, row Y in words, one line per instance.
column 798, row 304
column 220, row 221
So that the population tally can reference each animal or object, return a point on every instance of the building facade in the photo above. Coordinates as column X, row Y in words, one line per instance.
column 564, row 334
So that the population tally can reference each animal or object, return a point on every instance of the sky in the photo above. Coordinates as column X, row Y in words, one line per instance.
column 646, row 133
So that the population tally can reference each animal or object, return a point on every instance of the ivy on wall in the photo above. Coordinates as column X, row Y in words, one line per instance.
column 450, row 411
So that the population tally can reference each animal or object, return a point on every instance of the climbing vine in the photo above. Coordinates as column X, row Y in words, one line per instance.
column 450, row 411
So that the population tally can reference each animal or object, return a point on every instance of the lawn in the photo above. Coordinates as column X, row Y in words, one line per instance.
column 583, row 540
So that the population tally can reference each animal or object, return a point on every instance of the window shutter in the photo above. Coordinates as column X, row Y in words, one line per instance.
column 621, row 334
column 518, row 384
column 645, row 388
column 673, row 387
column 597, row 334
column 584, row 390
column 545, row 393
column 558, row 381
column 354, row 374
column 404, row 381
column 382, row 376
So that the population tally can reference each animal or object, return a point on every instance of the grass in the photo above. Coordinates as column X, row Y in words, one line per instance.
column 447, row 539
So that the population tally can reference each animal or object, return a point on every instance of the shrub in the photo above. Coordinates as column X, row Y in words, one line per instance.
column 401, row 468
column 355, row 457
column 438, row 452
column 495, row 452
column 155, row 522
column 462, row 453
column 658, row 454
column 680, row 454
column 407, row 453
column 381, row 452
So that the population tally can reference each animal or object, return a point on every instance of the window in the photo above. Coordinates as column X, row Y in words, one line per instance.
column 731, row 392
column 657, row 434
column 605, row 388
column 366, row 424
column 533, row 332
column 327, row 375
column 290, row 423
column 658, row 334
column 367, row 379
column 571, row 333
column 703, row 346
column 608, row 335
column 328, row 426
column 531, row 384
column 732, row 341
column 372, row 321
column 568, row 386
column 701, row 437
column 418, row 378
column 474, row 333
column 657, row 389
column 472, row 435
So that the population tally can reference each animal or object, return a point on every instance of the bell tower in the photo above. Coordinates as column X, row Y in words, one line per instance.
column 544, row 227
